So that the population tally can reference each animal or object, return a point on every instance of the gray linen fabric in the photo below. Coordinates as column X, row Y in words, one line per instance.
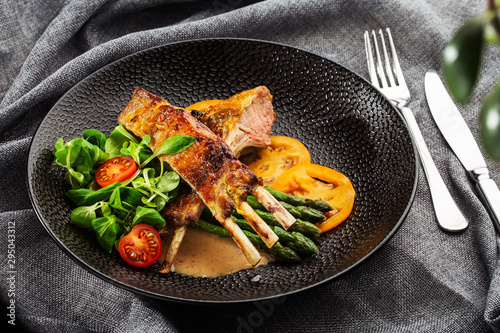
column 423, row 280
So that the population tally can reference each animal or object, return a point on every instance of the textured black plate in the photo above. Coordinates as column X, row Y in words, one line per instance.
column 342, row 119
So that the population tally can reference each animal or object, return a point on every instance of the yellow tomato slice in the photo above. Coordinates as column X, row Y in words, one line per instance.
column 314, row 181
column 283, row 153
column 203, row 105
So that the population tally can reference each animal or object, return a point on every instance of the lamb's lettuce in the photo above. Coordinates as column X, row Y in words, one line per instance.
column 107, row 230
column 111, row 211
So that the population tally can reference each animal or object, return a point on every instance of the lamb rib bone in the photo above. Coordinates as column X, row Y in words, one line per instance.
column 209, row 166
column 244, row 121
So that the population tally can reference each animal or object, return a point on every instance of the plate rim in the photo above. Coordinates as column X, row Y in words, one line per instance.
column 177, row 299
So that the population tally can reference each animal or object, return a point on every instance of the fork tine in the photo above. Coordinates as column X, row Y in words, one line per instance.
column 397, row 68
column 388, row 67
column 369, row 59
column 380, row 69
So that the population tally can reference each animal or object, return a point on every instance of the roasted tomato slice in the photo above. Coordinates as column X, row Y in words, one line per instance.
column 141, row 247
column 283, row 153
column 314, row 181
column 203, row 105
column 116, row 169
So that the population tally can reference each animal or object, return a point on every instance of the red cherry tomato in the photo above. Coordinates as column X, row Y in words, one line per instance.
column 141, row 247
column 116, row 169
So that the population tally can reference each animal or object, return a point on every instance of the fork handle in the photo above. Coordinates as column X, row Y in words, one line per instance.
column 448, row 215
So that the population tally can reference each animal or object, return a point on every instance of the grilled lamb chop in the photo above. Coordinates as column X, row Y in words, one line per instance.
column 208, row 166
column 244, row 121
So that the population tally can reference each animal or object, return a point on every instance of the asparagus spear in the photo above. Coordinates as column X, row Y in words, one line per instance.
column 296, row 241
column 298, row 201
column 242, row 223
column 255, row 204
column 281, row 252
column 304, row 212
column 306, row 228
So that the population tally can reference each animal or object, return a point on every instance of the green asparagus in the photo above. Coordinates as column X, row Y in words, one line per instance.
column 298, row 201
column 296, row 241
column 304, row 212
column 242, row 223
column 254, row 203
column 279, row 251
column 304, row 227
column 292, row 243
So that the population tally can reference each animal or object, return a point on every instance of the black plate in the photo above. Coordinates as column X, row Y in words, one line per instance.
column 345, row 122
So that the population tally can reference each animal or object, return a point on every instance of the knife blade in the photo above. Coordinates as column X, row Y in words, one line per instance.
column 459, row 137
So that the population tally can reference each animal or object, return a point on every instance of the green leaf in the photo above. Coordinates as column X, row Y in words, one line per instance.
column 491, row 35
column 66, row 154
column 125, row 199
column 147, row 203
column 172, row 145
column 150, row 216
column 148, row 176
column 84, row 165
column 107, row 230
column 489, row 118
column 168, row 182
column 59, row 144
column 462, row 60
column 116, row 139
column 76, row 157
column 139, row 152
column 87, row 197
column 106, row 209
column 160, row 202
column 84, row 215
column 138, row 182
column 175, row 145
column 97, row 155
column 75, row 179
column 95, row 137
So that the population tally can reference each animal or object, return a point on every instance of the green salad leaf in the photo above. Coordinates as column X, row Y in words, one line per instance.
column 87, row 197
column 150, row 216
column 113, row 210
column 124, row 199
column 175, row 145
column 117, row 138
column 107, row 230
column 84, row 215
column 95, row 137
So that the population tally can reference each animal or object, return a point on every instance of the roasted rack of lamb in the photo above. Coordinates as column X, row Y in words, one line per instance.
column 210, row 167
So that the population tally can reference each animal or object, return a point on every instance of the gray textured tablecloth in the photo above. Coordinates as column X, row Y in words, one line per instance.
column 422, row 280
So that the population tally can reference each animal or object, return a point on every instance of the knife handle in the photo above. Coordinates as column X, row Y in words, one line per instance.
column 447, row 213
column 490, row 195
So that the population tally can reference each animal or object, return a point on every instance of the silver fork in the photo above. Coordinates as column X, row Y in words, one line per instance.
column 390, row 81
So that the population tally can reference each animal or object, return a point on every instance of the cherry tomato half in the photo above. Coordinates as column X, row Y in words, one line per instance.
column 141, row 247
column 116, row 169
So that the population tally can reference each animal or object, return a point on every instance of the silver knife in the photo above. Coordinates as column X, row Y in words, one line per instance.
column 462, row 142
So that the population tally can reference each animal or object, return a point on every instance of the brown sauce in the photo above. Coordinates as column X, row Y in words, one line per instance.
column 205, row 255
